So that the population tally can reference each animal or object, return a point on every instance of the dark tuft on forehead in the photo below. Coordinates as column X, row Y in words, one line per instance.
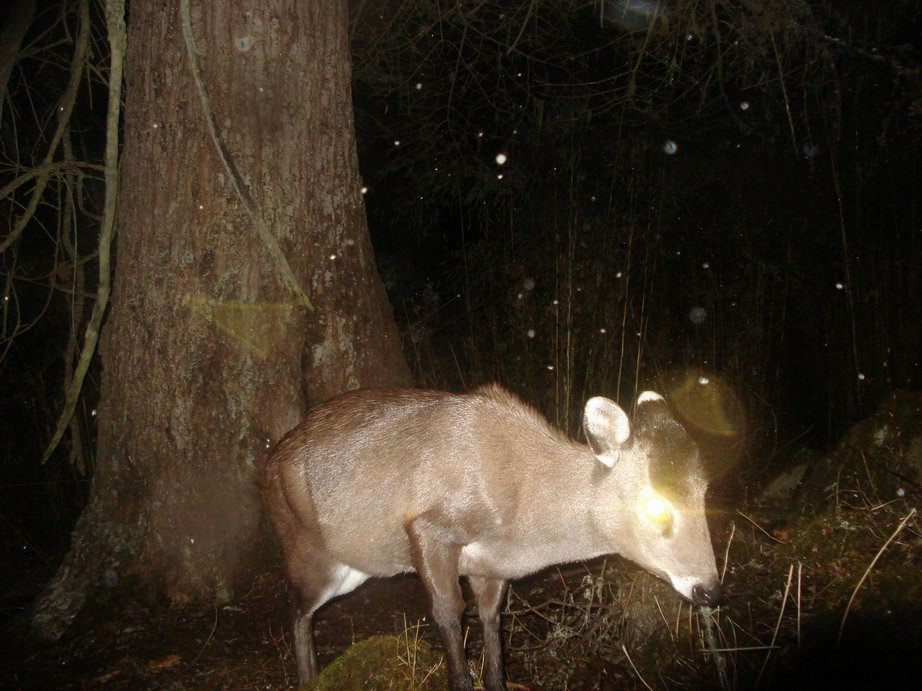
column 675, row 464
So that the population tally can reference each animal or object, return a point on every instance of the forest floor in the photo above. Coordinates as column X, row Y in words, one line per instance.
column 823, row 578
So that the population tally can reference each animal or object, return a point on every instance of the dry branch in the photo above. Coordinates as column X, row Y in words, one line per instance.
column 115, row 21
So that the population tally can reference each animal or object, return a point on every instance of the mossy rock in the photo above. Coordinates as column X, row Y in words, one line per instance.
column 387, row 663
column 881, row 455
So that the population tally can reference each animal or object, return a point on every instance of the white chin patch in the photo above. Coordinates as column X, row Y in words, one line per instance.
column 647, row 396
column 683, row 584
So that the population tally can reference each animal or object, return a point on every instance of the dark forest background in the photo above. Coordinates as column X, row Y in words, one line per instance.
column 726, row 187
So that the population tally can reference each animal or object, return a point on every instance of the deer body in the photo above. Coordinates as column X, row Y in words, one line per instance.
column 380, row 482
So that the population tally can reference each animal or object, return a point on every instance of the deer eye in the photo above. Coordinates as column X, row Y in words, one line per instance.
column 657, row 511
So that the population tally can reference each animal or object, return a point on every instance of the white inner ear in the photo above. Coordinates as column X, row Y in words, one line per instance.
column 622, row 428
column 608, row 423
column 648, row 396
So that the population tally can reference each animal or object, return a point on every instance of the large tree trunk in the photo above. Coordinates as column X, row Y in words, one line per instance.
column 207, row 357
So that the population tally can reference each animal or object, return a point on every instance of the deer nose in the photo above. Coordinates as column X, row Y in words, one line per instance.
column 707, row 597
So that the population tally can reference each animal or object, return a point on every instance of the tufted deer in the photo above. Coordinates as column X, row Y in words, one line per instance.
column 381, row 482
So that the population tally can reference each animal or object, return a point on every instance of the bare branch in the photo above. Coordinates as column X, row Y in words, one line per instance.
column 65, row 108
column 115, row 21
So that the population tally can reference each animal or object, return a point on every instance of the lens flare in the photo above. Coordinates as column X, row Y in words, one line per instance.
column 656, row 509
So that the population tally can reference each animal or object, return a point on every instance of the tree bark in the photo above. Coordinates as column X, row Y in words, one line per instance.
column 207, row 358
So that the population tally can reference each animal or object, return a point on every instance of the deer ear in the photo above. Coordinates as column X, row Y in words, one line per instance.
column 649, row 396
column 607, row 428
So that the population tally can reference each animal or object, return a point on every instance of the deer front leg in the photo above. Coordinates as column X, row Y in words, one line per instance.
column 435, row 556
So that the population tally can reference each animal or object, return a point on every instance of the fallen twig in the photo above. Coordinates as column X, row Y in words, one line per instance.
column 877, row 556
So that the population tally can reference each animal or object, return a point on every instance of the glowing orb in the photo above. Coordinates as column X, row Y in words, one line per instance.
column 656, row 509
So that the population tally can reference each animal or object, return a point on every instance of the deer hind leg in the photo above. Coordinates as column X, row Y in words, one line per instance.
column 435, row 557
column 490, row 594
column 314, row 580
column 314, row 575
column 308, row 579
